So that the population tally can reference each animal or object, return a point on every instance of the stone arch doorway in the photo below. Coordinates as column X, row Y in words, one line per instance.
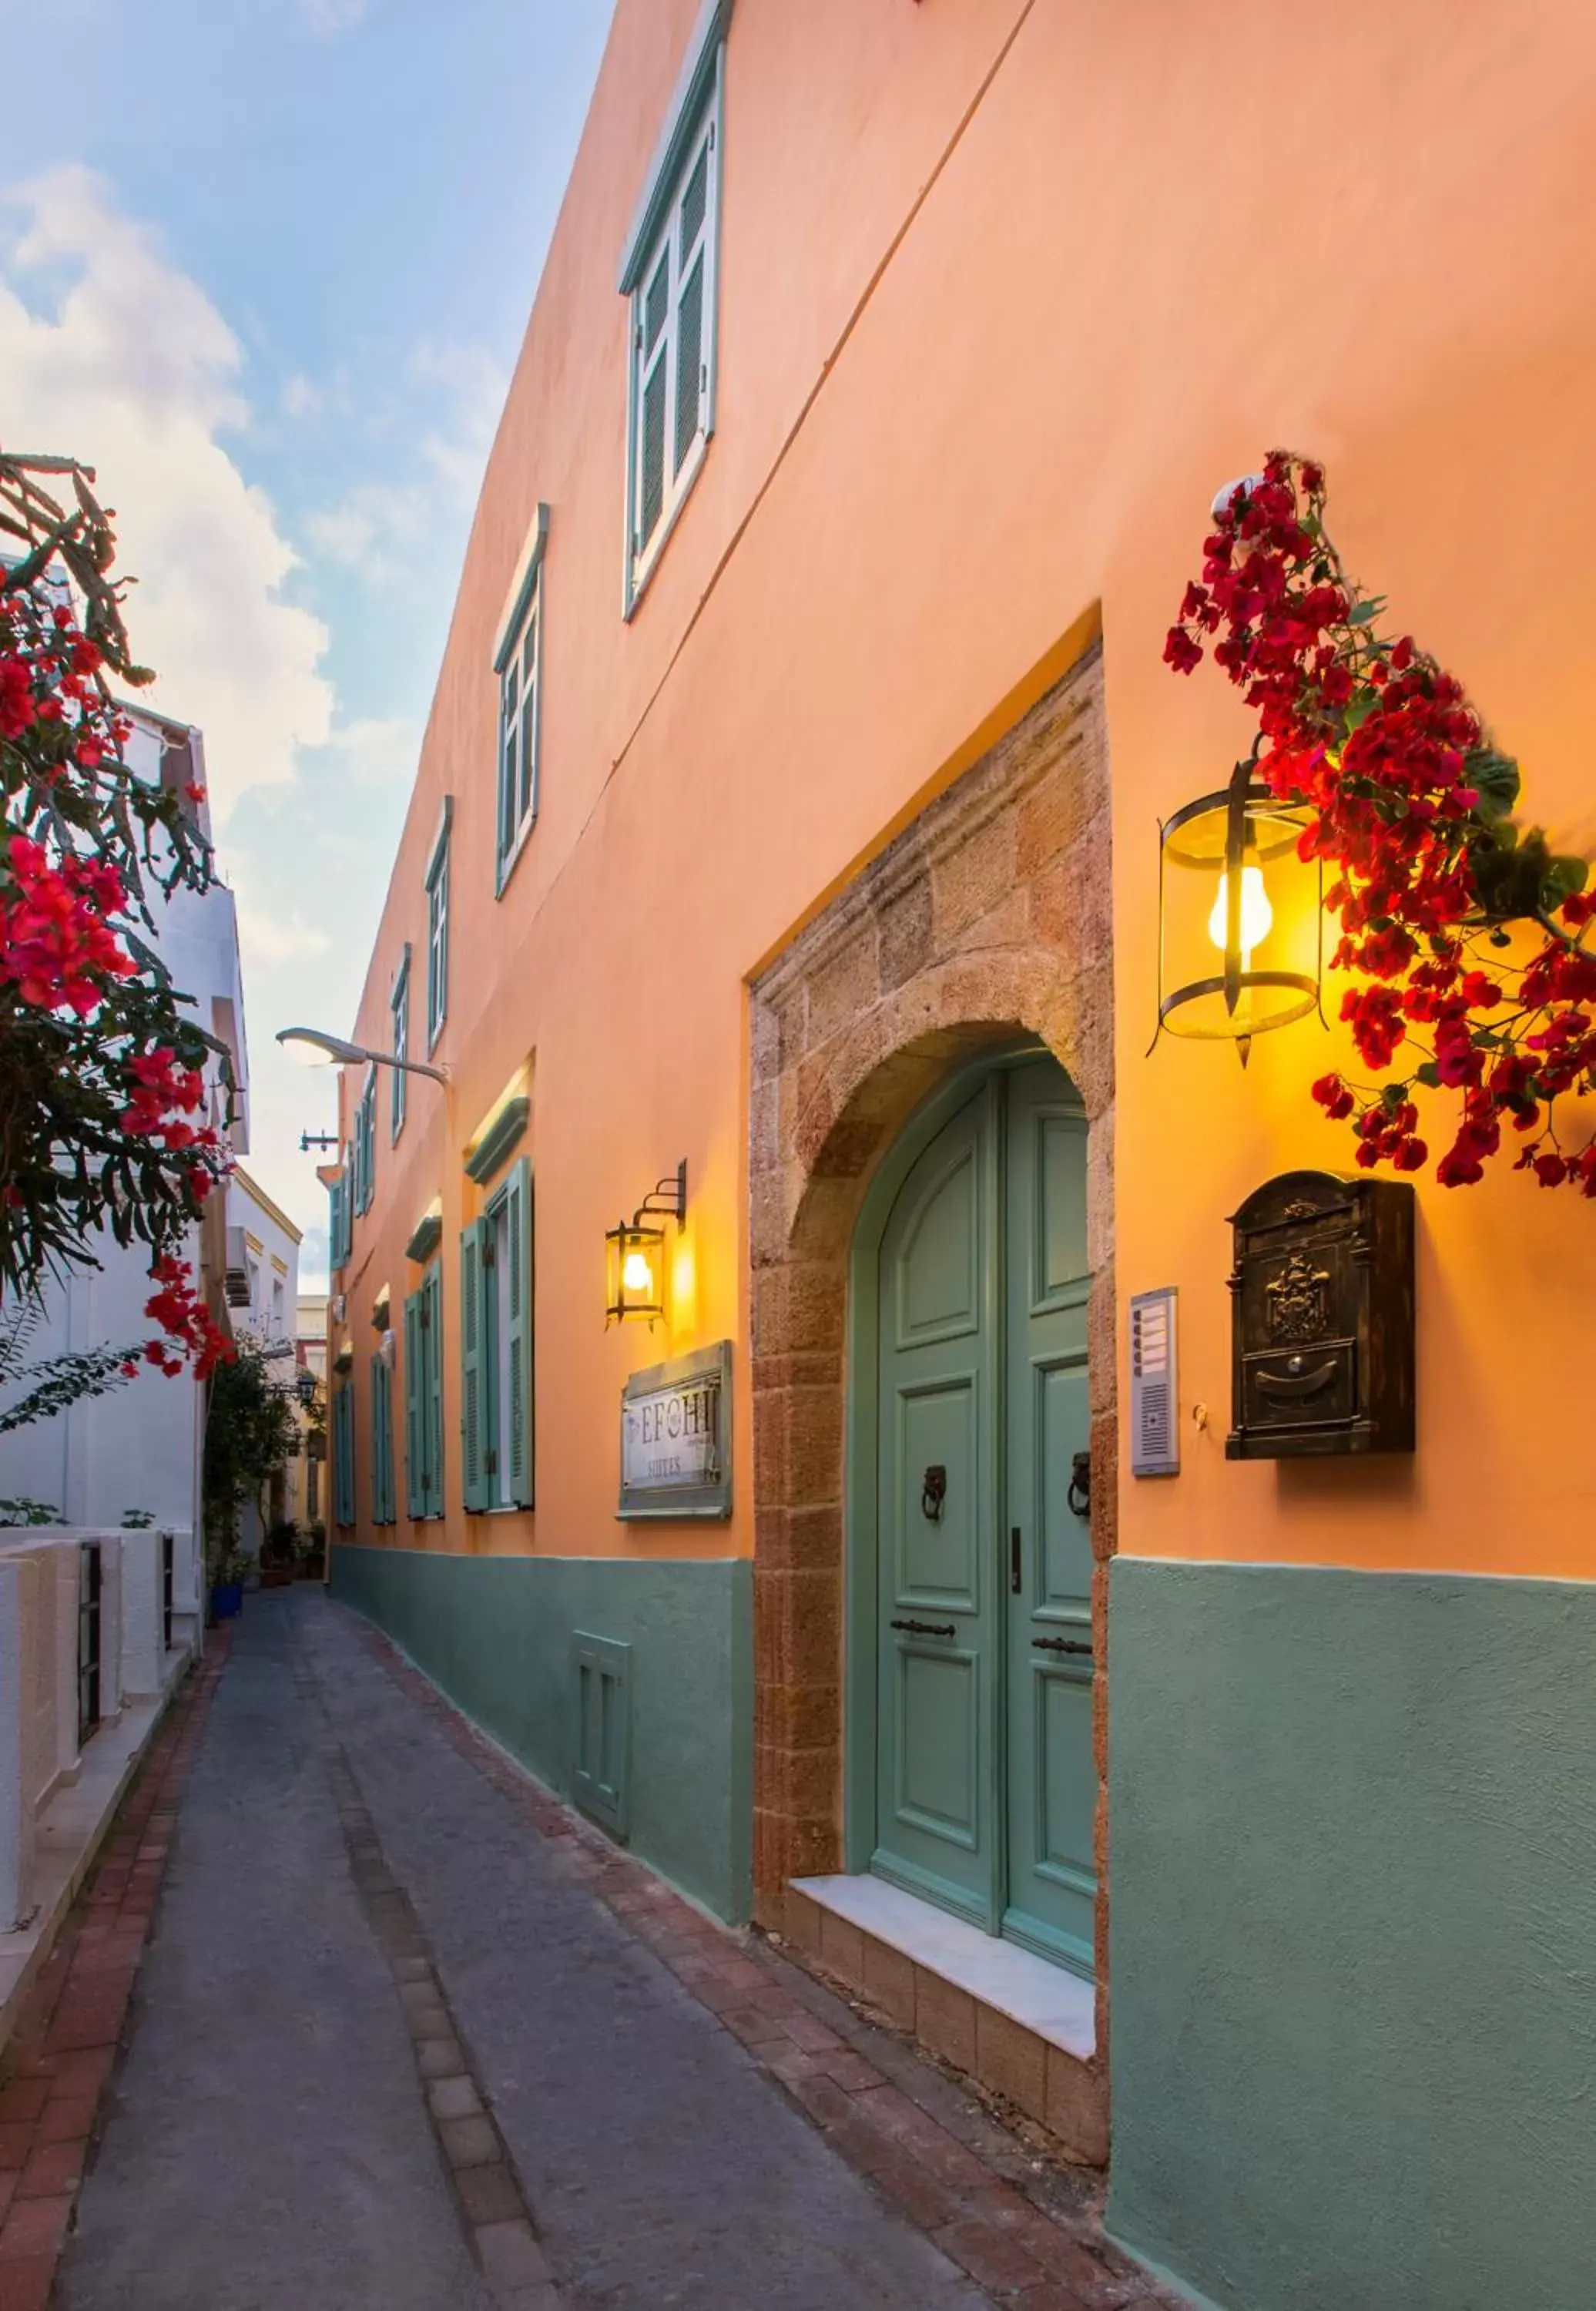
column 986, row 922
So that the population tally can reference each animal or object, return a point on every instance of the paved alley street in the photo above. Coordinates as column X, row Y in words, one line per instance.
column 405, row 2035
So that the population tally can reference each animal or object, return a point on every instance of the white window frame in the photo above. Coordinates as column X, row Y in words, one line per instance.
column 399, row 1005
column 520, row 706
column 437, row 890
column 696, row 118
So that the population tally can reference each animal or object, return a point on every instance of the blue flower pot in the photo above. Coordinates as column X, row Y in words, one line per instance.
column 227, row 1601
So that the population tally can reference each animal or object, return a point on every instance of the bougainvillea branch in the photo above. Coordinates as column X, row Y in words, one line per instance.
column 1470, row 931
column 103, row 1095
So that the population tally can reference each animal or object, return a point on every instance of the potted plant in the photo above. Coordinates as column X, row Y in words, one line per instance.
column 313, row 1553
column 252, row 1433
column 227, row 1588
column 278, row 1552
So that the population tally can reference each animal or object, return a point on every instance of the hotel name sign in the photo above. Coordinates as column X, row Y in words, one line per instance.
column 676, row 1437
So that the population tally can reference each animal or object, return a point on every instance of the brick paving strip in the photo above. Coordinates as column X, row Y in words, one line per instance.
column 497, row 2221
column 54, row 2068
column 992, row 2196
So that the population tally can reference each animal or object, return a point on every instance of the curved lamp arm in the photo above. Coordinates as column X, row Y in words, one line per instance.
column 317, row 1049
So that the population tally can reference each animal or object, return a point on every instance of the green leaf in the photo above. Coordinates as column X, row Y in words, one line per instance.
column 1497, row 775
column 1563, row 878
column 1364, row 614
column 1429, row 1074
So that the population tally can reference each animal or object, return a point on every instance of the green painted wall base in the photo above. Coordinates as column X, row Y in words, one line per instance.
column 1353, row 1863
column 497, row 1634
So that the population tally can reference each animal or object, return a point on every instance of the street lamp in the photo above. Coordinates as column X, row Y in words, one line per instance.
column 313, row 1047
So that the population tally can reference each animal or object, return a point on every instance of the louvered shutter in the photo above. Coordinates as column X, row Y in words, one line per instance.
column 432, row 1405
column 653, row 369
column 335, row 1224
column 515, row 1303
column 474, row 1378
column 414, row 1450
column 692, row 274
column 376, row 1412
column 344, row 1454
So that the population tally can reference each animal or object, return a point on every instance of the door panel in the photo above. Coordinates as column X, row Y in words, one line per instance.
column 938, row 1264
column 938, row 1743
column 938, row 1827
column 939, row 1557
column 1052, row 1782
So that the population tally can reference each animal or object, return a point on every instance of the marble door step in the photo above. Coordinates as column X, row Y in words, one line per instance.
column 1046, row 1999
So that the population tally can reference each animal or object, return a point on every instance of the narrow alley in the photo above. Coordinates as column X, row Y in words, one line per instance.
column 407, row 2034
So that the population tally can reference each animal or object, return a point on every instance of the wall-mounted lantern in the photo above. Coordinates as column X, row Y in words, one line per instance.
column 1230, row 880
column 636, row 1252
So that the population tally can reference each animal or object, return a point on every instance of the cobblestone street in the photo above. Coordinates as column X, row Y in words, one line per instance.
column 405, row 2032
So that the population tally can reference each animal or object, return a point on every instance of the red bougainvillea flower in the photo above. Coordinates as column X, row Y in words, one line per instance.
column 1407, row 810
column 16, row 697
column 56, row 945
column 183, row 1316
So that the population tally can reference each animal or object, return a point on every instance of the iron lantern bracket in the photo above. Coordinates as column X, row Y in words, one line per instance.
column 666, row 1199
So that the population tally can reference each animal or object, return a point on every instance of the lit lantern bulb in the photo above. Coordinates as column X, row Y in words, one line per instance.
column 1256, row 914
column 636, row 1274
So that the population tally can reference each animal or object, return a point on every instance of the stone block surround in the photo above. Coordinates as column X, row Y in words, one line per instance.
column 988, row 919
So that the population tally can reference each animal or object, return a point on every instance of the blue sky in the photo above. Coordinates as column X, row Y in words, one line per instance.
column 266, row 264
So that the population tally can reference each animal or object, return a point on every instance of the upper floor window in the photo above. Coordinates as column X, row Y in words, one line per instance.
column 438, row 930
column 399, row 1005
column 670, row 272
column 365, row 1143
column 341, row 1216
column 519, row 664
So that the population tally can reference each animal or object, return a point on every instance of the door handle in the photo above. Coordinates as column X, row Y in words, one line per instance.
column 928, row 1628
column 1080, row 1481
column 1016, row 1578
column 1061, row 1645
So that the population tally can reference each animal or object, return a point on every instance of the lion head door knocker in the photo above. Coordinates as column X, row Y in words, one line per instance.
column 933, row 1492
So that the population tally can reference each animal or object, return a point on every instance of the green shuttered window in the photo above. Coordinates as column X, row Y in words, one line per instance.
column 670, row 272
column 344, row 1456
column 424, row 1397
column 382, row 1440
column 337, row 1225
column 399, row 1004
column 518, row 661
column 496, row 1357
column 438, row 928
column 365, row 1144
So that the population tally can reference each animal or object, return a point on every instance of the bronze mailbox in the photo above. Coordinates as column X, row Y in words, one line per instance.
column 1321, row 1319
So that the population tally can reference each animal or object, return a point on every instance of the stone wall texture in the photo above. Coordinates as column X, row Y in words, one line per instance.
column 988, row 918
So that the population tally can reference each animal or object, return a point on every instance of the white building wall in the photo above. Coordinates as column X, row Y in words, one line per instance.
column 139, row 1447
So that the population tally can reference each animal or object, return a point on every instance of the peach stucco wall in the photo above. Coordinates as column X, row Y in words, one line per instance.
column 1007, row 290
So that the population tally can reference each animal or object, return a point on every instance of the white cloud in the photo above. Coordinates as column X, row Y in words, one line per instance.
column 120, row 359
column 378, row 751
column 267, row 936
column 329, row 17
column 383, row 530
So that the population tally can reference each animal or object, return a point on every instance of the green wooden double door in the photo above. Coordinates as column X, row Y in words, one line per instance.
column 985, row 1785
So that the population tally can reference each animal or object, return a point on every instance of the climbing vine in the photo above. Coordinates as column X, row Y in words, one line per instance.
column 1469, row 932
